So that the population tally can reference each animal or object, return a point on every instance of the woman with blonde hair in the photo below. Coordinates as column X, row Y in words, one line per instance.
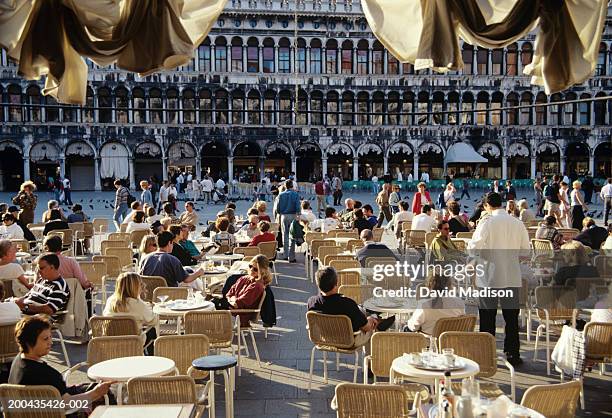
column 525, row 214
column 146, row 198
column 26, row 200
column 512, row 209
column 578, row 207
column 148, row 245
column 261, row 207
column 248, row 290
column 126, row 301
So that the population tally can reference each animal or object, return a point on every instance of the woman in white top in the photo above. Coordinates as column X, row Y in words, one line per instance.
column 137, row 223
column 10, row 270
column 9, row 229
column 525, row 214
column 430, row 310
column 152, row 216
column 126, row 302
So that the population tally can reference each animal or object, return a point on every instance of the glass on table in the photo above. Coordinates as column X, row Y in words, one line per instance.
column 448, row 356
column 162, row 298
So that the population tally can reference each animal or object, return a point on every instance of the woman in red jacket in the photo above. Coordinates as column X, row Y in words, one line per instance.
column 421, row 198
column 248, row 290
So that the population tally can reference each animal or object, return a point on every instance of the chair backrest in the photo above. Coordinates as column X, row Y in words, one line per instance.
column 119, row 236
column 310, row 236
column 387, row 346
column 377, row 234
column 464, row 323
column 603, row 264
column 268, row 249
column 568, row 233
column 429, row 237
column 357, row 400
column 183, row 349
column 415, row 238
column 330, row 330
column 542, row 247
column 123, row 227
column 150, row 284
column 347, row 234
column 348, row 278
column 88, row 230
column 477, row 346
column 465, row 234
column 460, row 244
column 113, row 264
column 315, row 244
column 106, row 348
column 106, row 244
column 94, row 271
column 328, row 250
column 359, row 293
column 31, row 393
column 405, row 225
column 333, row 257
column 383, row 261
column 124, row 254
column 162, row 389
column 111, row 326
column 344, row 264
column 100, row 225
column 8, row 346
column 21, row 244
column 559, row 301
column 353, row 244
column 584, row 285
column 137, row 236
column 67, row 236
column 552, row 400
column 216, row 325
column 333, row 233
column 78, row 229
column 247, row 251
column 173, row 293
column 598, row 336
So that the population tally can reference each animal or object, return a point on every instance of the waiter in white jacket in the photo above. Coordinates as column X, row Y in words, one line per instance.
column 499, row 241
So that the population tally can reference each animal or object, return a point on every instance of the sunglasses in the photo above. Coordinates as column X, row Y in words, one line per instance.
column 253, row 267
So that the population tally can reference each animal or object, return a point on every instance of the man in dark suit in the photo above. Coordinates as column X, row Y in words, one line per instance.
column 372, row 249
column 592, row 235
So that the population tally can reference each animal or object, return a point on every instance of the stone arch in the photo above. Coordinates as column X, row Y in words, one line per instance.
column 79, row 164
column 11, row 165
column 182, row 156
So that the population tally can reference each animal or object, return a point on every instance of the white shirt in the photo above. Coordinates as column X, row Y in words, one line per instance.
column 307, row 215
column 425, row 317
column 12, row 231
column 195, row 184
column 66, row 183
column 172, row 191
column 606, row 191
column 608, row 244
column 133, row 226
column 425, row 177
column 423, row 222
column 566, row 180
column 399, row 177
column 9, row 313
column 504, row 238
column 152, row 219
column 207, row 185
column 220, row 184
column 163, row 193
column 601, row 314
column 189, row 177
column 410, row 178
column 136, row 308
column 374, row 179
column 449, row 196
column 128, row 217
column 180, row 178
column 400, row 217
column 326, row 224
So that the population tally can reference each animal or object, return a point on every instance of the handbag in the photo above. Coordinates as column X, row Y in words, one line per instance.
column 568, row 354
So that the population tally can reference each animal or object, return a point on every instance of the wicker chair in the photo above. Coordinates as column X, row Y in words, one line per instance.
column 377, row 234
column 603, row 263
column 269, row 250
column 113, row 264
column 598, row 337
column 413, row 239
column 354, row 244
column 162, row 390
column 8, row 346
column 104, row 245
column 344, row 264
column 542, row 248
column 479, row 347
column 173, row 293
column 31, row 393
column 150, row 283
column 460, row 244
column 327, row 250
column 465, row 234
column 554, row 305
column 386, row 347
column 216, row 325
column 247, row 251
column 568, row 233
column 119, row 236
column 21, row 244
column 557, row 401
column 354, row 400
column 359, row 293
column 95, row 272
column 371, row 262
column 347, row 234
column 313, row 253
column 463, row 323
column 308, row 238
column 335, row 257
column 125, row 257
column 67, row 237
column 349, row 278
column 429, row 237
column 111, row 326
column 254, row 313
column 137, row 236
column 334, row 334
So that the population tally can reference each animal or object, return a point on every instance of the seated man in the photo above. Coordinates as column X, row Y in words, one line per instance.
column 189, row 246
column 264, row 236
column 330, row 222
column 56, row 222
column 443, row 248
column 424, row 221
column 178, row 250
column 547, row 231
column 368, row 212
column 189, row 217
column 360, row 223
column 223, row 237
column 50, row 292
column 250, row 228
column 135, row 207
column 403, row 215
column 592, row 235
column 372, row 249
column 162, row 263
column 346, row 214
column 307, row 215
column 330, row 302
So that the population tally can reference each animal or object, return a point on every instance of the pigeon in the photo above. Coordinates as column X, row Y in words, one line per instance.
column 91, row 206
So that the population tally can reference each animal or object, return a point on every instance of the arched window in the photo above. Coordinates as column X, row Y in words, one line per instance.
column 155, row 102
column 362, row 57
column 284, row 104
column 525, row 112
column 300, row 58
column 408, row 108
column 585, row 110
column 423, row 108
column 204, row 56
column 268, row 55
column 555, row 110
column 599, row 108
column 482, row 59
column 52, row 110
column 482, row 103
column 378, row 108
column 569, row 111
column 378, row 55
column 393, row 106
column 347, row 108
column 512, row 60
column 301, row 117
column 332, row 108
column 407, row 68
column 497, row 99
column 269, row 108
column 221, row 55
column 221, row 107
column 205, row 105
column 236, row 54
column 362, row 108
column 392, row 64
column 497, row 58
column 347, row 58
column 467, row 108
column 467, row 54
column 252, row 55
column 88, row 110
column 172, row 100
column 33, row 98
column 331, row 57
column 14, row 100
column 105, row 104
column 601, row 60
column 188, row 106
column 237, row 107
column 437, row 107
column 316, row 107
column 512, row 114
column 315, row 56
column 253, row 105
column 284, row 56
column 138, row 98
column 540, row 111
column 453, row 107
column 526, row 54
column 122, row 104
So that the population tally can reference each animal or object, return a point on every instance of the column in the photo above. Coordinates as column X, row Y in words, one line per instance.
column 212, row 57
column 97, row 185
column 198, row 172
column 260, row 58
column 230, row 169
column 355, row 168
column 132, row 174
column 228, row 57
column 323, row 166
column 504, row 167
column 26, row 168
column 307, row 52
column 533, row 167
column 415, row 167
column 323, row 60
column 62, row 165
column 294, row 166
column 385, row 62
column 591, row 163
column 385, row 165
column 165, row 168
column 276, row 58
column 562, row 165
column 354, row 69
column 262, row 165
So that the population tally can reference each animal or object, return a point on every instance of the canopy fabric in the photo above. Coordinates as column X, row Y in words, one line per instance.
column 114, row 161
column 566, row 45
column 44, row 151
column 462, row 152
column 50, row 37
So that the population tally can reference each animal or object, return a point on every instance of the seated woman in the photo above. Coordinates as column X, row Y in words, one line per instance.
column 137, row 223
column 512, row 209
column 360, row 223
column 525, row 214
column 264, row 236
column 51, row 205
column 56, row 222
column 457, row 221
column 11, row 271
column 223, row 237
column 33, row 336
column 148, row 245
column 178, row 250
column 607, row 245
column 261, row 207
column 430, row 310
column 9, row 228
column 152, row 216
column 576, row 264
column 248, row 290
column 250, row 229
column 126, row 301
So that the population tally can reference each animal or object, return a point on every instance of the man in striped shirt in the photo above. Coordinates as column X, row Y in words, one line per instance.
column 50, row 293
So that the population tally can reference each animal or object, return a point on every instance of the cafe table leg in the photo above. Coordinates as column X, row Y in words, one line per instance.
column 120, row 393
column 238, row 335
column 211, row 395
column 229, row 395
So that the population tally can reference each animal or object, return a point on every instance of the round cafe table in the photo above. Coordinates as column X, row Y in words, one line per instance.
column 123, row 369
column 399, row 306
column 225, row 257
column 340, row 240
column 165, row 310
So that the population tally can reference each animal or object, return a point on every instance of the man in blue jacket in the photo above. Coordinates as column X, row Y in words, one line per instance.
column 288, row 207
